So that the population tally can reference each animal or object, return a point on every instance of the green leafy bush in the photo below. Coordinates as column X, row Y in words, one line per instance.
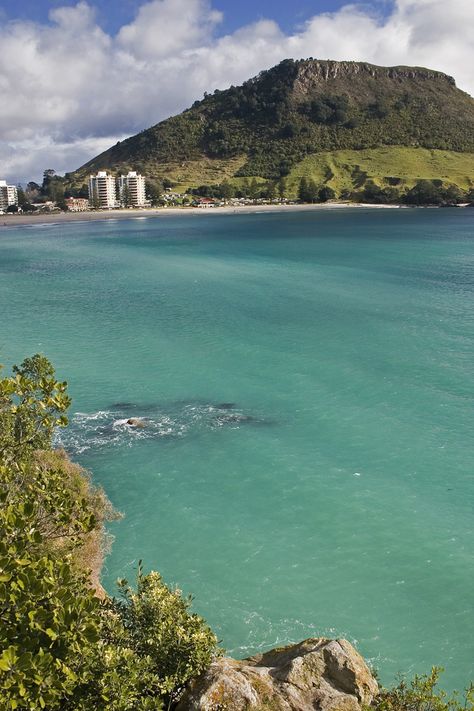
column 48, row 611
column 422, row 694
column 151, row 646
column 432, row 192
column 61, row 647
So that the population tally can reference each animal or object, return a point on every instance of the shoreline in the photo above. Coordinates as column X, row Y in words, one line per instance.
column 15, row 220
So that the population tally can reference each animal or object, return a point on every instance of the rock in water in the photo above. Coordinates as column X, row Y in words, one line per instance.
column 323, row 674
column 136, row 422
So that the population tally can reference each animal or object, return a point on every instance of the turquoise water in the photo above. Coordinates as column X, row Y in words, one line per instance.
column 307, row 384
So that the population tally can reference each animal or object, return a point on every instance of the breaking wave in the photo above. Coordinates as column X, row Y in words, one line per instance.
column 112, row 427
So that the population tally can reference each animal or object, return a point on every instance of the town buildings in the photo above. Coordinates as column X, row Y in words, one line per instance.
column 206, row 202
column 8, row 195
column 106, row 192
column 77, row 204
column 102, row 191
column 131, row 189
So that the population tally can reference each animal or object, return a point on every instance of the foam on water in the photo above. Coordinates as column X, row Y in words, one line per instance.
column 111, row 428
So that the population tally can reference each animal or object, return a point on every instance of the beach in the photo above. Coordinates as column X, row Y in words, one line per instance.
column 16, row 220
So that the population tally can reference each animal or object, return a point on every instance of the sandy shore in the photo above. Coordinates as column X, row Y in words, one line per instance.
column 143, row 213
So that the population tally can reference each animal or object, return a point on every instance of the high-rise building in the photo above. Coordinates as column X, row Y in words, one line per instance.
column 131, row 190
column 8, row 195
column 102, row 192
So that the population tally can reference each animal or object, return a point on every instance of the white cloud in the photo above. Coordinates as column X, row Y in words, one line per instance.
column 163, row 27
column 69, row 90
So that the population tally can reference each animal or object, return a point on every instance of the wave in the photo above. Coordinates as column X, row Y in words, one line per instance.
column 127, row 424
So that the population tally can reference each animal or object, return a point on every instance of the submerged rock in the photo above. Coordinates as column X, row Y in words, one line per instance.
column 323, row 674
column 233, row 419
column 136, row 422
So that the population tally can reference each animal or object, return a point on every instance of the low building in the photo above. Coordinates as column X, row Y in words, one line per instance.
column 8, row 195
column 131, row 190
column 206, row 202
column 77, row 204
column 102, row 191
column 47, row 205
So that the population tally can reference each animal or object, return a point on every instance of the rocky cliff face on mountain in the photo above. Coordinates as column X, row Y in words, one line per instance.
column 328, row 675
column 321, row 72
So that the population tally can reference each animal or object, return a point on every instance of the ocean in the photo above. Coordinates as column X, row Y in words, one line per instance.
column 306, row 380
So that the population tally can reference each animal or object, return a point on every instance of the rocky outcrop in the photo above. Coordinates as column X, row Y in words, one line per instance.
column 325, row 70
column 136, row 422
column 322, row 674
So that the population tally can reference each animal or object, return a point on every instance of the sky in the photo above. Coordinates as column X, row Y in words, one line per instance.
column 76, row 76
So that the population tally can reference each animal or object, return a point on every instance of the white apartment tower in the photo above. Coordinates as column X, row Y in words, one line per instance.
column 8, row 195
column 131, row 189
column 102, row 191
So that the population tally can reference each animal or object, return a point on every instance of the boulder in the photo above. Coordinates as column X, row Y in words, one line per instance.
column 322, row 674
column 136, row 422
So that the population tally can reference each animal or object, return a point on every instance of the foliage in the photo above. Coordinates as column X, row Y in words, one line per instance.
column 422, row 694
column 326, row 193
column 308, row 191
column 32, row 404
column 428, row 192
column 53, row 187
column 376, row 195
column 48, row 615
column 328, row 109
column 281, row 187
column 151, row 646
column 32, row 191
column 154, row 190
column 126, row 197
column 22, row 201
column 47, row 609
column 61, row 647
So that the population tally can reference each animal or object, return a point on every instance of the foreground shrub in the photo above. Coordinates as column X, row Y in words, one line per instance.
column 48, row 614
column 61, row 648
column 151, row 646
column 422, row 694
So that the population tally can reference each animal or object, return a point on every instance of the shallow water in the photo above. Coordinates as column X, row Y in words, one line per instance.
column 306, row 382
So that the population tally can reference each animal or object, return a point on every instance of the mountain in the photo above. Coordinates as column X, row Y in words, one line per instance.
column 343, row 122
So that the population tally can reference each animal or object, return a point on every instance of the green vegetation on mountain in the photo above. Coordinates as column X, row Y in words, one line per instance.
column 302, row 116
column 348, row 171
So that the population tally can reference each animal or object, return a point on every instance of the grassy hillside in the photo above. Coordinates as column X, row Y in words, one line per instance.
column 349, row 170
column 278, row 122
